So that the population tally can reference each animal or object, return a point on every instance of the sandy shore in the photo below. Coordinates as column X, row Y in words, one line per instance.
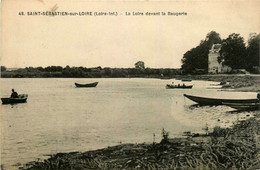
column 224, row 148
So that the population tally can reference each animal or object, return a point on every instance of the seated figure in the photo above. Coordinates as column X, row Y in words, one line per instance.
column 14, row 94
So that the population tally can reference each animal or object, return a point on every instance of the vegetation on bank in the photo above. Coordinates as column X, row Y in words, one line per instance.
column 83, row 72
column 99, row 72
column 225, row 148
column 230, row 81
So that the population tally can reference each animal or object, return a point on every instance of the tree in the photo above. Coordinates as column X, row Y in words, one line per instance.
column 108, row 71
column 40, row 69
column 66, row 72
column 197, row 58
column 253, row 51
column 3, row 68
column 139, row 65
column 212, row 38
column 188, row 61
column 233, row 52
column 53, row 69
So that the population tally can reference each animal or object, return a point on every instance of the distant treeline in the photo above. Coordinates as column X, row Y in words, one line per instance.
column 83, row 72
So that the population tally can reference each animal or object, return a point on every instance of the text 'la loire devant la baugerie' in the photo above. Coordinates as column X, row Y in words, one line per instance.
column 94, row 13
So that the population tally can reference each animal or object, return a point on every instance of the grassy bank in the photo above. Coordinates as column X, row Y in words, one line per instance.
column 242, row 82
column 229, row 148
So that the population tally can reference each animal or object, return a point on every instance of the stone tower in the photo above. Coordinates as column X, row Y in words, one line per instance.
column 213, row 65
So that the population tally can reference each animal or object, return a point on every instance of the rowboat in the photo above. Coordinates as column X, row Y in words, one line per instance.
column 87, row 85
column 22, row 98
column 244, row 106
column 217, row 101
column 171, row 86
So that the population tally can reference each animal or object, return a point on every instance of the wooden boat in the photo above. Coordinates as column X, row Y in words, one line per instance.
column 87, row 85
column 171, row 86
column 22, row 98
column 216, row 101
column 244, row 106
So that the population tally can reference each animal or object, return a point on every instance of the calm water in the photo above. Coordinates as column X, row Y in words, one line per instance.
column 61, row 118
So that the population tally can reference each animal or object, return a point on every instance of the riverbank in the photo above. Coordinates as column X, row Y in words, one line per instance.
column 224, row 148
column 238, row 82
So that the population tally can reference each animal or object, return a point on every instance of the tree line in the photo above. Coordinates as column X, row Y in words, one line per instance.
column 234, row 53
column 96, row 72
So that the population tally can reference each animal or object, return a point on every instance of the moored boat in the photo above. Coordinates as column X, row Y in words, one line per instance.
column 244, row 106
column 86, row 85
column 171, row 86
column 217, row 101
column 22, row 98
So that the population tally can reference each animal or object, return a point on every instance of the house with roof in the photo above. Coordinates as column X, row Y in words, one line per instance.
column 214, row 66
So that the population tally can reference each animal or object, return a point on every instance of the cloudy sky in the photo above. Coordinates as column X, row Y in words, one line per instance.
column 117, row 41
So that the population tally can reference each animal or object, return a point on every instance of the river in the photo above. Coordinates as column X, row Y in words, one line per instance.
column 61, row 118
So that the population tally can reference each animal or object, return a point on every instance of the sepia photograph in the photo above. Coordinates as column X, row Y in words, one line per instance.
column 124, row 84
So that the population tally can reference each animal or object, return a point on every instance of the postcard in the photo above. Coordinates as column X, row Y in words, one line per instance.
column 130, row 84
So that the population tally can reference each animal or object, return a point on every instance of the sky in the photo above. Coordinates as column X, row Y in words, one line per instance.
column 116, row 41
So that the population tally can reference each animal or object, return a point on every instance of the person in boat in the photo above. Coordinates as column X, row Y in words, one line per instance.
column 14, row 94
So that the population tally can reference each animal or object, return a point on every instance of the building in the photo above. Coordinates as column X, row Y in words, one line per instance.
column 214, row 66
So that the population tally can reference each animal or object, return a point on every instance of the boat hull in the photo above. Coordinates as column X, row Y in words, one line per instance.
column 244, row 106
column 20, row 99
column 168, row 86
column 215, row 101
column 86, row 85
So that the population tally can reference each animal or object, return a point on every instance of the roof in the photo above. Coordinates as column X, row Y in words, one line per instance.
column 215, row 48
